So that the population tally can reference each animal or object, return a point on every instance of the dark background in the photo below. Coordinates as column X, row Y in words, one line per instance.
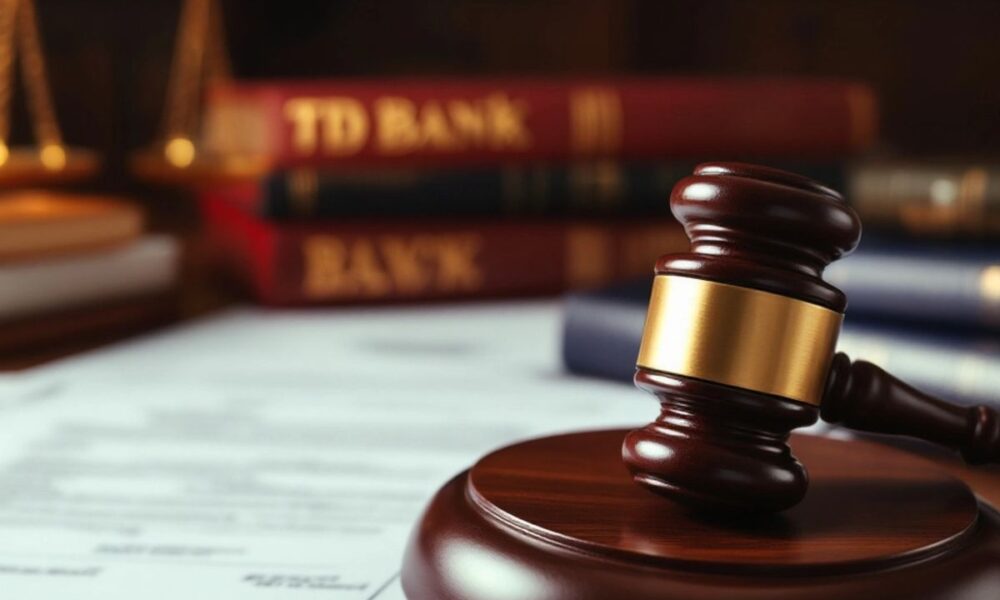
column 933, row 64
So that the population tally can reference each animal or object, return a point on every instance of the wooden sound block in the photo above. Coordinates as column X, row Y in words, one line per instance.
column 560, row 517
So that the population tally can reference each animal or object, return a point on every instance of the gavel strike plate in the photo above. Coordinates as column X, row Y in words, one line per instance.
column 559, row 517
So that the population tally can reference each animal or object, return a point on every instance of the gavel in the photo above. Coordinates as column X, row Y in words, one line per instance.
column 739, row 348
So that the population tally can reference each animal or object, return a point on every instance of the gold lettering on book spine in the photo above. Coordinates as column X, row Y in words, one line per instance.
column 396, row 125
column 302, row 187
column 470, row 122
column 496, row 122
column 342, row 126
column 596, row 121
column 337, row 125
column 337, row 267
column 596, row 186
column 508, row 126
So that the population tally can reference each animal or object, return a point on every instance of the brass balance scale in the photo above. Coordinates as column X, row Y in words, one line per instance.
column 199, row 58
column 50, row 159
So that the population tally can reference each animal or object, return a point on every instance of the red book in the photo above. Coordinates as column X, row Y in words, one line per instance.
column 461, row 122
column 381, row 260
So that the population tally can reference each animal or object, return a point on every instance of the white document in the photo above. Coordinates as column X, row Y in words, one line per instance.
column 270, row 454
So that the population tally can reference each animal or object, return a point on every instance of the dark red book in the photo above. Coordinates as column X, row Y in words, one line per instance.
column 461, row 122
column 363, row 260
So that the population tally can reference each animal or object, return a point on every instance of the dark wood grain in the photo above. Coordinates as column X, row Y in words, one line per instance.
column 717, row 447
column 571, row 489
column 560, row 518
column 762, row 228
column 862, row 396
column 723, row 448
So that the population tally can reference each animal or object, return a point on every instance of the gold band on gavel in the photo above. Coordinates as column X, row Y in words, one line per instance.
column 740, row 337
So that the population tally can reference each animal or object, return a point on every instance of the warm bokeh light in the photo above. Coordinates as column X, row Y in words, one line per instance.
column 179, row 152
column 53, row 157
column 989, row 283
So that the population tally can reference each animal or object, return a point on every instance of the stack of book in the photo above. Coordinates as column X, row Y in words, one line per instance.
column 72, row 265
column 923, row 287
column 423, row 189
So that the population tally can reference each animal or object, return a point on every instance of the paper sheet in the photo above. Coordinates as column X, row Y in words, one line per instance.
column 270, row 454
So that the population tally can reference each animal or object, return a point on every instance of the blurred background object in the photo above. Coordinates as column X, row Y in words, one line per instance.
column 48, row 159
column 71, row 265
column 320, row 153
column 109, row 61
column 200, row 57
column 165, row 159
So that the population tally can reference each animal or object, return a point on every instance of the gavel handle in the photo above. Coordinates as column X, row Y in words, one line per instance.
column 862, row 396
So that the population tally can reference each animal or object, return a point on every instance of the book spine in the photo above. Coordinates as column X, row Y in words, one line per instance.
column 581, row 189
column 371, row 260
column 920, row 287
column 964, row 370
column 944, row 201
column 466, row 122
column 602, row 333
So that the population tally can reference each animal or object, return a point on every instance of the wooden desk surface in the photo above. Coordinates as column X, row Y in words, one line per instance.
column 983, row 479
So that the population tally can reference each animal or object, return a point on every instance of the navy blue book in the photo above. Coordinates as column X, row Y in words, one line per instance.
column 602, row 330
column 575, row 189
column 924, row 284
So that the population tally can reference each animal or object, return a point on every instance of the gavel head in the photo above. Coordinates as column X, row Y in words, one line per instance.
column 739, row 337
